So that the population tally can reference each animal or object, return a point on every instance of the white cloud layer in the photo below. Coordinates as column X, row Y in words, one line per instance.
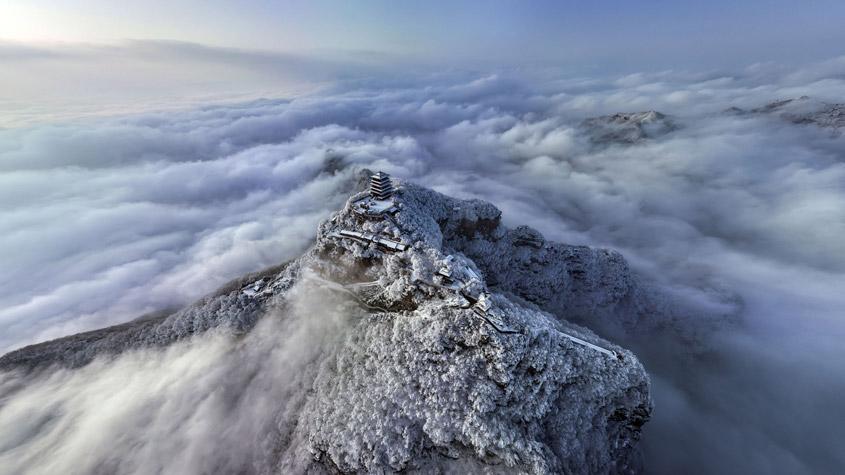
column 104, row 220
column 217, row 404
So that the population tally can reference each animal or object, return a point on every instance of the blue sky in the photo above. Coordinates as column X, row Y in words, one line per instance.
column 654, row 32
column 72, row 58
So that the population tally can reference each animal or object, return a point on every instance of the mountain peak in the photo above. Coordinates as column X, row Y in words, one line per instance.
column 457, row 355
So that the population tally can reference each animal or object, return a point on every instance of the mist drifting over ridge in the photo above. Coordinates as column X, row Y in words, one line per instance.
column 736, row 214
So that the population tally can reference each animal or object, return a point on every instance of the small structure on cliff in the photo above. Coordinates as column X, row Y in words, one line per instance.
column 383, row 242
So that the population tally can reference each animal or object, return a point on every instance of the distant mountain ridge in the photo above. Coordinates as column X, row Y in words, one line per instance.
column 803, row 110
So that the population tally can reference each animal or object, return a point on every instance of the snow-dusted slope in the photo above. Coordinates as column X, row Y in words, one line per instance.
column 627, row 128
column 448, row 361
column 802, row 110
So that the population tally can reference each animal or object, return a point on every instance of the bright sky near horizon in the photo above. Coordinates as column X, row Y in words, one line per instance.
column 65, row 59
column 652, row 31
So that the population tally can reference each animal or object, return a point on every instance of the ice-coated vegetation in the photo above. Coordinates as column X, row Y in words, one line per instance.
column 355, row 358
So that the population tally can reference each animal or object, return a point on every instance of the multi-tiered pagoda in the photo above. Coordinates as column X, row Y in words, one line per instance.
column 381, row 187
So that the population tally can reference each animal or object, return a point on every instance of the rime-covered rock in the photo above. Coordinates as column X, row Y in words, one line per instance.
column 627, row 127
column 801, row 111
column 460, row 358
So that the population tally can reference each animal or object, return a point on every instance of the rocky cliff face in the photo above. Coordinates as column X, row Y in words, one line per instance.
column 457, row 357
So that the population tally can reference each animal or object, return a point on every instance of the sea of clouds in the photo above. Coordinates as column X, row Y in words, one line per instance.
column 105, row 219
column 213, row 404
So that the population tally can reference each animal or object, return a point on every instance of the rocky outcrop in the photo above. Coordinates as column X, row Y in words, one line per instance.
column 462, row 358
column 627, row 127
column 802, row 110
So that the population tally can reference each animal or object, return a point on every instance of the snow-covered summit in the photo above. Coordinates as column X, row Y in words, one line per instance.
column 459, row 358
